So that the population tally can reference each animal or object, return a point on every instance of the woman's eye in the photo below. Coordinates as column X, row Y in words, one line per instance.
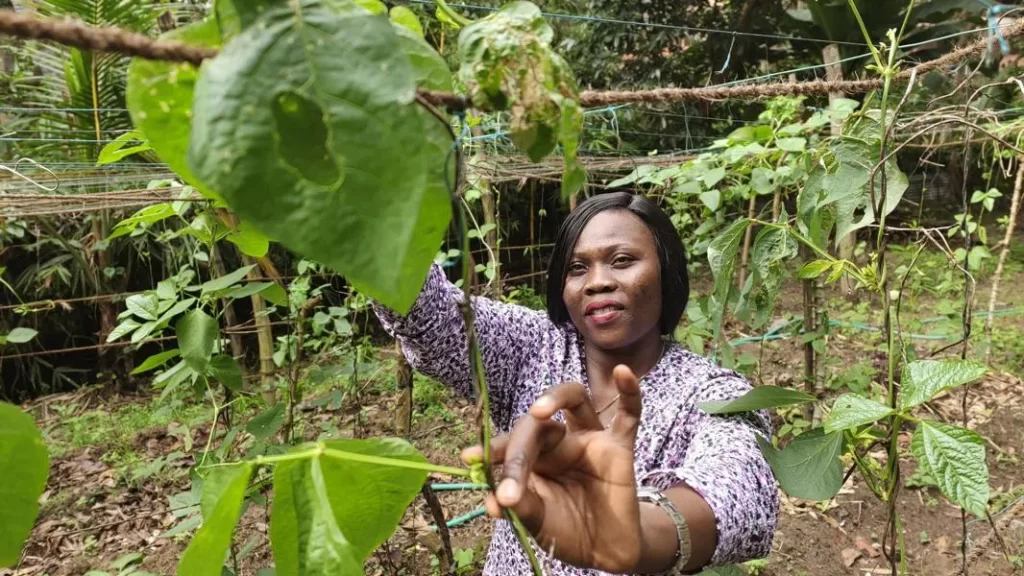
column 622, row 260
column 576, row 267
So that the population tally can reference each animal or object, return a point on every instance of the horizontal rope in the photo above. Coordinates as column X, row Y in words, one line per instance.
column 79, row 35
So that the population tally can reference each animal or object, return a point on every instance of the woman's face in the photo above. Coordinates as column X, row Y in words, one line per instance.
column 613, row 285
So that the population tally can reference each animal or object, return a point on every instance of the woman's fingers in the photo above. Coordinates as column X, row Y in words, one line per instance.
column 627, row 417
column 574, row 400
column 530, row 437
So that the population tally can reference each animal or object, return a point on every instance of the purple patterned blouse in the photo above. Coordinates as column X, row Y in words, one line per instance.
column 524, row 353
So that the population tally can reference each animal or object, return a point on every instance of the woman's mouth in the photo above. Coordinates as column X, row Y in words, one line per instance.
column 603, row 313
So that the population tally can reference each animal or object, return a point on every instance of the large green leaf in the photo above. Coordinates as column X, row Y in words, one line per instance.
column 809, row 466
column 757, row 398
column 197, row 334
column 307, row 125
column 852, row 410
column 227, row 371
column 839, row 185
column 773, row 248
column 922, row 380
column 223, row 494
column 24, row 467
column 159, row 97
column 330, row 514
column 722, row 254
column 954, row 458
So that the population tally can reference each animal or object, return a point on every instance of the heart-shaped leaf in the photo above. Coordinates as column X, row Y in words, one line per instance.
column 809, row 466
column 330, row 514
column 307, row 125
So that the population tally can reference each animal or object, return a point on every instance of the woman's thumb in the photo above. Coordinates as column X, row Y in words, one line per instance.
column 627, row 418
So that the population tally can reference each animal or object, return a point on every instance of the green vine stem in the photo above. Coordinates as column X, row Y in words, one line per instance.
column 321, row 449
column 455, row 16
column 476, row 366
column 887, row 71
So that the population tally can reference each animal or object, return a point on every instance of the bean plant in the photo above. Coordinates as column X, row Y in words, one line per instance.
column 311, row 127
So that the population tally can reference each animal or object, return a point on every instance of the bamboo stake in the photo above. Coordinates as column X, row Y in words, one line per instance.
column 1003, row 253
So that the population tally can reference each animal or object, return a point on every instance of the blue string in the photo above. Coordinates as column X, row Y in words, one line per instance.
column 728, row 56
column 994, row 32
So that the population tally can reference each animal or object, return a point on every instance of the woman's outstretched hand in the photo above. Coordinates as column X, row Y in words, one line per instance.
column 573, row 484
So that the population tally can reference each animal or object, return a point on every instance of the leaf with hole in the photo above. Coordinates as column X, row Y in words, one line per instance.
column 922, row 380
column 809, row 466
column 25, row 467
column 955, row 459
column 852, row 410
column 758, row 398
column 330, row 514
column 223, row 494
column 297, row 124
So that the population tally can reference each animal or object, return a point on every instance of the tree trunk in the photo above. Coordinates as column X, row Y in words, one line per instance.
column 1003, row 253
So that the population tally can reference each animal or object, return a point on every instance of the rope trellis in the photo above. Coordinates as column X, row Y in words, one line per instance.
column 79, row 35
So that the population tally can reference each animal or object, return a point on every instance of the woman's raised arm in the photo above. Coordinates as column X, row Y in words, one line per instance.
column 433, row 337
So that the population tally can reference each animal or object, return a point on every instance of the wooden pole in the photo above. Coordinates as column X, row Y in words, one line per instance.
column 1003, row 253
column 834, row 73
column 488, row 200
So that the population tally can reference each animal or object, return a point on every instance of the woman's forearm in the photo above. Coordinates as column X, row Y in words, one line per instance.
column 660, row 541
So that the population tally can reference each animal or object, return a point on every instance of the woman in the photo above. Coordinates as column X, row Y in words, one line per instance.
column 605, row 456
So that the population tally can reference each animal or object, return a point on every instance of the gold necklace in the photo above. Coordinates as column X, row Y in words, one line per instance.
column 616, row 399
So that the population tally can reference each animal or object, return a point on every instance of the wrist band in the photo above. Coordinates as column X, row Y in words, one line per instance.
column 682, row 528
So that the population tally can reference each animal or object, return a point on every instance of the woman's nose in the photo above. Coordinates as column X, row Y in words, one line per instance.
column 599, row 280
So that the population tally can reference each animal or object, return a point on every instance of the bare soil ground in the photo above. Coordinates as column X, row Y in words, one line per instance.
column 108, row 498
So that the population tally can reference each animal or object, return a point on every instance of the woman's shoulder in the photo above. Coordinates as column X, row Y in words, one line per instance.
column 686, row 379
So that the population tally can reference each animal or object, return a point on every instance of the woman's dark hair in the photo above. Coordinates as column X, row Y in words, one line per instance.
column 675, row 283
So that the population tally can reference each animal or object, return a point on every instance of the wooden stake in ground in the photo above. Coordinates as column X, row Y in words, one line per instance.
column 1003, row 253
column 403, row 377
column 834, row 73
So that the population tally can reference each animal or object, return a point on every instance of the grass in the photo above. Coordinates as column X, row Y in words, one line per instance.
column 116, row 430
